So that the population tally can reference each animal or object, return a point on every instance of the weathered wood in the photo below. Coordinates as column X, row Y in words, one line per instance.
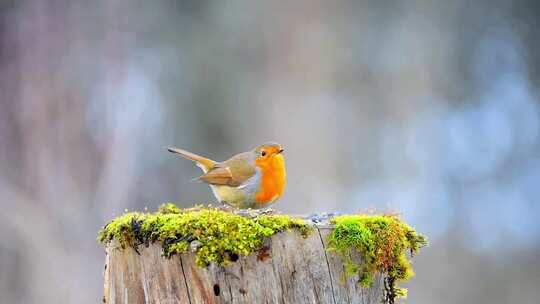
column 144, row 278
column 289, row 269
column 347, row 289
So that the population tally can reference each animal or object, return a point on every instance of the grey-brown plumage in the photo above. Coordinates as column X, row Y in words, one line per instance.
column 237, row 180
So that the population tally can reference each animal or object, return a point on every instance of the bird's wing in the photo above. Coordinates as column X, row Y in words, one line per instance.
column 233, row 172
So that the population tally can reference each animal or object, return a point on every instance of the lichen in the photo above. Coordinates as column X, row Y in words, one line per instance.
column 382, row 242
column 220, row 236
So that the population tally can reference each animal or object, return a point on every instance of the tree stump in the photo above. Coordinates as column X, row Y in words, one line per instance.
column 288, row 269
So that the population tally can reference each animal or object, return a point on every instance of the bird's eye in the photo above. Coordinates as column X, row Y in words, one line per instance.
column 263, row 153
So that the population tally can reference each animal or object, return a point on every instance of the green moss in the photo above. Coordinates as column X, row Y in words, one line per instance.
column 221, row 236
column 169, row 208
column 382, row 242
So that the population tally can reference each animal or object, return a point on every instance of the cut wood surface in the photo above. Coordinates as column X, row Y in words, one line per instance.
column 289, row 269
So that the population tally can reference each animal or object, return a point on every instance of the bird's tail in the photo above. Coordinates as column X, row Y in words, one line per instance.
column 204, row 163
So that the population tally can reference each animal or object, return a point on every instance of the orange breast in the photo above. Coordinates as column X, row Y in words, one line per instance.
column 273, row 179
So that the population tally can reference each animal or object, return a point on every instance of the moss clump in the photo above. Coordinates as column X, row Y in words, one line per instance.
column 220, row 236
column 169, row 208
column 382, row 242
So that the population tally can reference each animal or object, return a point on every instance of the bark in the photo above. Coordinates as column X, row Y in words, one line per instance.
column 289, row 269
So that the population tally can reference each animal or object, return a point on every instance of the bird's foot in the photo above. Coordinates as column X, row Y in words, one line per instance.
column 269, row 211
column 253, row 213
column 225, row 207
column 246, row 213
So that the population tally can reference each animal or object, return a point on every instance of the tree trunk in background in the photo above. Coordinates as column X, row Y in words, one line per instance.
column 289, row 269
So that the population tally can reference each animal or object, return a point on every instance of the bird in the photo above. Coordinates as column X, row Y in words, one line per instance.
column 250, row 180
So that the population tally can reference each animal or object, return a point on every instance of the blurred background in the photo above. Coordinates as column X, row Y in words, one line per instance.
column 426, row 108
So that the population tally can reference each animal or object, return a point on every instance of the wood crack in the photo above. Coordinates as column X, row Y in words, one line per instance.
column 144, row 282
column 185, row 279
column 328, row 266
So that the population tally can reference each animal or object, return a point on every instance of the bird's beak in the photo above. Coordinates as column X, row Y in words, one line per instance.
column 280, row 151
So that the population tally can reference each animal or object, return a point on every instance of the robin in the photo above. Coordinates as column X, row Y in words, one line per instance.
column 253, row 179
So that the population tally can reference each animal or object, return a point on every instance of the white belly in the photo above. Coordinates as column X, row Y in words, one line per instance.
column 242, row 196
column 233, row 196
